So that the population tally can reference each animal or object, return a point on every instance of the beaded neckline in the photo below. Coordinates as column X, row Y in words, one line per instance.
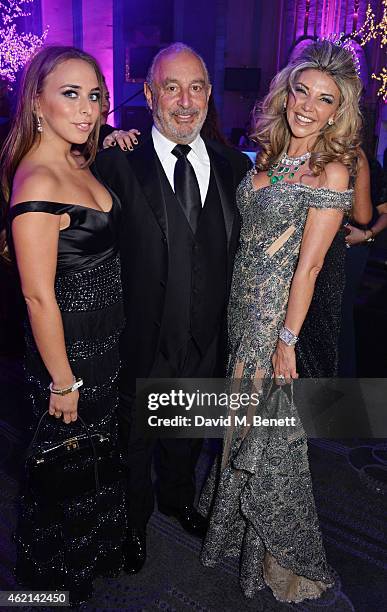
column 286, row 166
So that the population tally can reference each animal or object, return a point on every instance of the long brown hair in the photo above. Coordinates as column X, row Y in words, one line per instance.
column 23, row 134
column 338, row 142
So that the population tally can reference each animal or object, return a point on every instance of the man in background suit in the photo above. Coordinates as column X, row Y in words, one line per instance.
column 178, row 237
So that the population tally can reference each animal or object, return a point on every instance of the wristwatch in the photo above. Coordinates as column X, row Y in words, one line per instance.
column 78, row 382
column 287, row 336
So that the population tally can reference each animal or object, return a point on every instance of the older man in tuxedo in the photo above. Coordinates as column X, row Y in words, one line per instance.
column 178, row 236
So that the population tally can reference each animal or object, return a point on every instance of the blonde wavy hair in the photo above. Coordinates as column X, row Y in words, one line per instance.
column 338, row 142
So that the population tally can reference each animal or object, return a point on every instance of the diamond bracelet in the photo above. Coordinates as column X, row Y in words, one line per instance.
column 287, row 336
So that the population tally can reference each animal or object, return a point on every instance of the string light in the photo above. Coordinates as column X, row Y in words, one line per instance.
column 382, row 77
column 374, row 31
column 16, row 49
column 371, row 30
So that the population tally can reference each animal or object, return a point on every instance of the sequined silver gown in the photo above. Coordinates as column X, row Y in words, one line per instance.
column 259, row 497
column 63, row 546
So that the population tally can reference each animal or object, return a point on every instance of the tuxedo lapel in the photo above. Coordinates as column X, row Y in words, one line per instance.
column 224, row 180
column 144, row 165
column 143, row 162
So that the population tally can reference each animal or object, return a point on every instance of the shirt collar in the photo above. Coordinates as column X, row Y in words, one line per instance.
column 164, row 146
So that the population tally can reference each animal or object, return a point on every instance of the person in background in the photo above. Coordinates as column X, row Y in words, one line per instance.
column 245, row 141
column 320, row 356
column 370, row 194
column 106, row 129
column 211, row 127
column 370, row 190
column 105, row 103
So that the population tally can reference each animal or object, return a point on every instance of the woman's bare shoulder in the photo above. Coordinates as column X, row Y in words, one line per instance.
column 34, row 181
column 336, row 176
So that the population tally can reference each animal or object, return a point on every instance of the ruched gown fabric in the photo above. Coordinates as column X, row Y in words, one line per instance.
column 259, row 498
column 63, row 546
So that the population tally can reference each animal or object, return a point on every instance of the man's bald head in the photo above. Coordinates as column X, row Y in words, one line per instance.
column 177, row 47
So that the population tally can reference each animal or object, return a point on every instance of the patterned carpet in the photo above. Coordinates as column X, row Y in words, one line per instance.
column 351, row 494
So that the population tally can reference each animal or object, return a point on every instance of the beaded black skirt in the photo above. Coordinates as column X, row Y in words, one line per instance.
column 64, row 545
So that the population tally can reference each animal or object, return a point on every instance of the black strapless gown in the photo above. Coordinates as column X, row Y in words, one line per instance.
column 64, row 546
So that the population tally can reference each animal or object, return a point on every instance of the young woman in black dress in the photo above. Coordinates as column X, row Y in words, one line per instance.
column 63, row 224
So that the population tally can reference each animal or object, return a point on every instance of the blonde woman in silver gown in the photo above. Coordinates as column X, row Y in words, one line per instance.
column 259, row 499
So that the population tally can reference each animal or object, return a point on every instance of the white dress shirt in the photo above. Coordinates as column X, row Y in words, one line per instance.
column 198, row 157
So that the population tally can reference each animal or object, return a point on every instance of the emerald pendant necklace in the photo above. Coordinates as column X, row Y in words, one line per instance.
column 286, row 167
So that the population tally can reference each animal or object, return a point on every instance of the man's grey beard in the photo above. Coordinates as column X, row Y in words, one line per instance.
column 186, row 138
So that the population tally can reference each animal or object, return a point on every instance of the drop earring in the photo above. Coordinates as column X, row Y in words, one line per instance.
column 284, row 106
column 39, row 126
column 330, row 121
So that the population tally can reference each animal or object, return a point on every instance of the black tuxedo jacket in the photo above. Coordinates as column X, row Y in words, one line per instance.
column 133, row 176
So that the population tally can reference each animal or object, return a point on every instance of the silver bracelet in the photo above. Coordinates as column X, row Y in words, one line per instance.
column 287, row 336
column 78, row 382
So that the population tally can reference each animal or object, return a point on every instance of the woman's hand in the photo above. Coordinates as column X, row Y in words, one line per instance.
column 284, row 363
column 64, row 405
column 126, row 140
column 356, row 236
